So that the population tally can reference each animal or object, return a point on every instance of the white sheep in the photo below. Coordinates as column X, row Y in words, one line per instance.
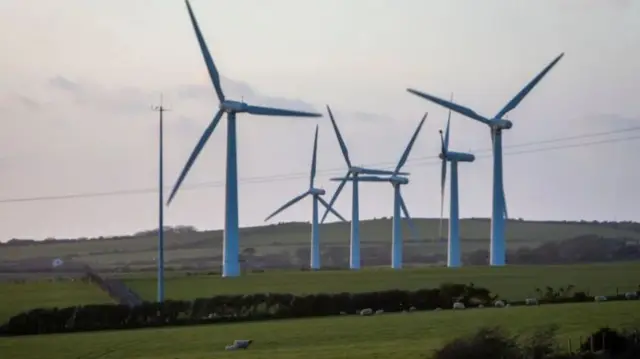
column 531, row 301
column 600, row 298
column 480, row 306
column 631, row 295
column 379, row 311
column 498, row 304
column 343, row 313
column 366, row 311
column 507, row 305
column 438, row 309
column 458, row 305
column 412, row 309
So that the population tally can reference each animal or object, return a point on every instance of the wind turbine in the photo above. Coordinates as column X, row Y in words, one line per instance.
column 496, row 125
column 453, row 244
column 353, row 172
column 396, row 181
column 316, row 193
column 230, row 265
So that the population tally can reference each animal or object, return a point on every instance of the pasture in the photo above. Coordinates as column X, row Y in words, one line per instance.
column 186, row 246
column 511, row 282
column 402, row 335
column 20, row 296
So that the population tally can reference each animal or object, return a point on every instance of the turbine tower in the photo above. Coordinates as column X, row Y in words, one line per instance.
column 230, row 265
column 316, row 193
column 398, row 202
column 353, row 172
column 496, row 125
column 453, row 244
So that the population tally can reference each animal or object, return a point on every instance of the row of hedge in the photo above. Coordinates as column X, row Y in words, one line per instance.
column 254, row 307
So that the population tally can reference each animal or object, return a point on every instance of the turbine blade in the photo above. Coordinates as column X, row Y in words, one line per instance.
column 452, row 106
column 521, row 95
column 330, row 209
column 443, row 150
column 287, row 205
column 446, row 136
column 211, row 67
column 343, row 181
column 196, row 151
column 370, row 171
column 270, row 111
column 314, row 158
column 407, row 150
column 343, row 146
column 504, row 204
column 372, row 179
column 408, row 217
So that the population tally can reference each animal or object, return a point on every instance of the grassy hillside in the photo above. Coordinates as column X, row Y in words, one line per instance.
column 512, row 282
column 19, row 296
column 140, row 250
column 406, row 336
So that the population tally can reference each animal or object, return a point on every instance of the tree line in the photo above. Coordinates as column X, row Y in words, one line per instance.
column 261, row 306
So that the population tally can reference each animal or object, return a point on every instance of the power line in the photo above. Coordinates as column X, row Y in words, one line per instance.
column 425, row 160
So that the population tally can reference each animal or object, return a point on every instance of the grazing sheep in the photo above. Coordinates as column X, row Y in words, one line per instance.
column 366, row 311
column 531, row 301
column 458, row 305
column 412, row 309
column 438, row 309
column 379, row 311
column 343, row 313
column 631, row 295
column 480, row 306
column 239, row 344
column 507, row 305
column 498, row 304
column 600, row 298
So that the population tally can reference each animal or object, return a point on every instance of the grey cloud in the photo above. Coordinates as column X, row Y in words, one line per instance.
column 65, row 84
column 28, row 103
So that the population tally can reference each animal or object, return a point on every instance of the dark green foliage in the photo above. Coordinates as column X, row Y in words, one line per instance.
column 495, row 343
column 226, row 308
column 260, row 306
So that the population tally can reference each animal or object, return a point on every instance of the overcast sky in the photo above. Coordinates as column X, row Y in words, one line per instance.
column 78, row 77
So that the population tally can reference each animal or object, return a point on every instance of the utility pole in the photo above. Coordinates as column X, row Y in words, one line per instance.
column 160, row 260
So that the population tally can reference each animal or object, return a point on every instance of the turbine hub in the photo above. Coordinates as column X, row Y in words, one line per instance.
column 229, row 106
column 500, row 124
column 399, row 180
column 317, row 191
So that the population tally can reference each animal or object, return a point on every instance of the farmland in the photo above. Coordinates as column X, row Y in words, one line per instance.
column 20, row 296
column 189, row 249
column 402, row 335
column 512, row 282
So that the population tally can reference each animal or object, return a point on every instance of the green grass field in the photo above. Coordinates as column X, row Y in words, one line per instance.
column 402, row 335
column 18, row 297
column 512, row 282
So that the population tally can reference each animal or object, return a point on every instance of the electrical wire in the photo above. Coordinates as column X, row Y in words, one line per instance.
column 425, row 160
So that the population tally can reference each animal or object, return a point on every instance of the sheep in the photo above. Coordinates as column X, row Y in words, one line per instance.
column 600, row 298
column 239, row 344
column 631, row 295
column 531, row 301
column 480, row 306
column 366, row 311
column 498, row 304
column 507, row 305
column 412, row 309
column 458, row 305
column 379, row 311
column 343, row 313
column 438, row 309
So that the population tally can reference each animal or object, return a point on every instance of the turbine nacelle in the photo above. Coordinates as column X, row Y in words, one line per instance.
column 459, row 156
column 398, row 180
column 499, row 124
column 317, row 191
column 230, row 106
